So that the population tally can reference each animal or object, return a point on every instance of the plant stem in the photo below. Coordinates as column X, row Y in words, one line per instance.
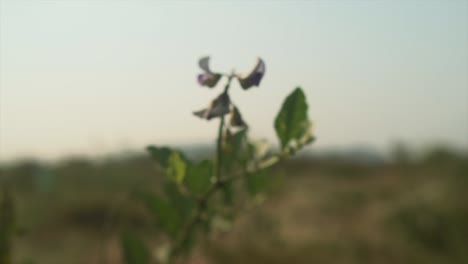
column 189, row 227
column 219, row 143
column 219, row 149
column 201, row 203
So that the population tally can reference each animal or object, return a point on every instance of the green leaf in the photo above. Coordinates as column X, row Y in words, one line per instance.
column 177, row 166
column 238, row 143
column 182, row 203
column 198, row 178
column 292, row 123
column 228, row 193
column 258, row 182
column 167, row 216
column 237, row 153
column 172, row 162
column 234, row 150
column 189, row 243
column 134, row 250
column 161, row 155
column 207, row 219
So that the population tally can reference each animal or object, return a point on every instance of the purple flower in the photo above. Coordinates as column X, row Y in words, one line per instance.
column 208, row 78
column 254, row 77
column 217, row 108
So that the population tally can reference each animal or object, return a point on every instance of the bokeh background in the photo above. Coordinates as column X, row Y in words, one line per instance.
column 86, row 85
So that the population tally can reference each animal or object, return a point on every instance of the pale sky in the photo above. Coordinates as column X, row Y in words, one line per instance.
column 95, row 77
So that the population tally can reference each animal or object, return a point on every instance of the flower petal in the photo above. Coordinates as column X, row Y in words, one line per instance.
column 236, row 118
column 204, row 64
column 254, row 77
column 218, row 107
column 208, row 79
column 201, row 113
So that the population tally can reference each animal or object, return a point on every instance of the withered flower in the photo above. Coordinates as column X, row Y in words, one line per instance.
column 217, row 108
column 236, row 119
column 254, row 77
column 207, row 78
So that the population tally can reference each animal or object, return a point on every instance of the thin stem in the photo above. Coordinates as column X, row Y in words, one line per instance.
column 219, row 149
column 219, row 143
column 201, row 203
column 188, row 229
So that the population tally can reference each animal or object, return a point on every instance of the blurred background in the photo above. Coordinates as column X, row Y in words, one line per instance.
column 85, row 86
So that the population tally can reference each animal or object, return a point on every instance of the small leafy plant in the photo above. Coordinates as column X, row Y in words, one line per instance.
column 197, row 196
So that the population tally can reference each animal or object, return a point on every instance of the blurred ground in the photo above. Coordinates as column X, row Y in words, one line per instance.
column 319, row 211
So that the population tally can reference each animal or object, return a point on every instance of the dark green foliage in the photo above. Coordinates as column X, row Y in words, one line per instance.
column 189, row 242
column 258, row 182
column 235, row 149
column 199, row 175
column 134, row 250
column 179, row 201
column 172, row 162
column 160, row 155
column 228, row 193
column 167, row 216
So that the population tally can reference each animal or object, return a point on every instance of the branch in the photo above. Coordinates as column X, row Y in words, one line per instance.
column 218, row 185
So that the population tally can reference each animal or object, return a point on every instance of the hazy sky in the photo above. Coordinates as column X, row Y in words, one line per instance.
column 93, row 77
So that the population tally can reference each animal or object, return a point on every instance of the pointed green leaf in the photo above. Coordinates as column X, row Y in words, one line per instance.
column 235, row 149
column 182, row 203
column 198, row 178
column 134, row 250
column 160, row 154
column 258, row 182
column 292, row 123
column 238, row 143
column 177, row 166
column 167, row 216
column 172, row 162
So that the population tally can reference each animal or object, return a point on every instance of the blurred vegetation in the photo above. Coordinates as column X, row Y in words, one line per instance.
column 6, row 226
column 407, row 210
